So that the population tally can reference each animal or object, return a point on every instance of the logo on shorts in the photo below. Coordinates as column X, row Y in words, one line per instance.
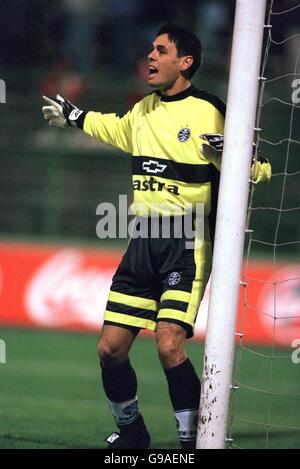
column 174, row 278
column 184, row 134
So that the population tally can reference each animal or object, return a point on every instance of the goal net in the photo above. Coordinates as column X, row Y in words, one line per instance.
column 265, row 398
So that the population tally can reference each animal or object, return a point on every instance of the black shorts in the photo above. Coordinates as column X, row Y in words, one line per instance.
column 160, row 280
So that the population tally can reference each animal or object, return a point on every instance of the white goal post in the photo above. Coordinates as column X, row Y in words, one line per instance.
column 231, row 219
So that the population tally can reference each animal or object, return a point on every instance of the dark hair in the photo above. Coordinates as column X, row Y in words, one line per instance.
column 186, row 43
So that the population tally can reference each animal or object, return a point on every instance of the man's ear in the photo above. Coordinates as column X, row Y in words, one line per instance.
column 186, row 62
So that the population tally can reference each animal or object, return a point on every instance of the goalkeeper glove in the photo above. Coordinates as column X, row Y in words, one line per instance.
column 212, row 150
column 261, row 170
column 61, row 113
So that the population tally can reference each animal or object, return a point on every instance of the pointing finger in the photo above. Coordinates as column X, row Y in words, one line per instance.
column 50, row 101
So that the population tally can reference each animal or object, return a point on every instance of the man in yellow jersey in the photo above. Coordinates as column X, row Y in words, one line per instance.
column 160, row 282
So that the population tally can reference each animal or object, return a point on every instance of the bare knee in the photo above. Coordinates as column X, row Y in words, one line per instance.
column 111, row 353
column 170, row 344
column 169, row 354
column 114, row 345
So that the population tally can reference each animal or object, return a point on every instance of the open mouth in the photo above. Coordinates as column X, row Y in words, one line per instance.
column 152, row 71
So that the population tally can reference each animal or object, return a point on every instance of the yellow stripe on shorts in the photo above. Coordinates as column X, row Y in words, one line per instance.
column 178, row 295
column 202, row 257
column 167, row 313
column 129, row 320
column 134, row 301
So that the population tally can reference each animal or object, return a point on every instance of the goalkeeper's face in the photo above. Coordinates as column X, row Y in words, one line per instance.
column 165, row 67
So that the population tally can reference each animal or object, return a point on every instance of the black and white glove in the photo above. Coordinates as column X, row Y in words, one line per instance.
column 61, row 113
column 212, row 150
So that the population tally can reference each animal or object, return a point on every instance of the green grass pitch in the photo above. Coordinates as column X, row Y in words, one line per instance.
column 51, row 397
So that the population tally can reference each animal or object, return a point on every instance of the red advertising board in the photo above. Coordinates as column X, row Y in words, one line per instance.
column 67, row 288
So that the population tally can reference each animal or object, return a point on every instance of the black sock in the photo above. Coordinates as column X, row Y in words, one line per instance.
column 119, row 382
column 120, row 386
column 184, row 390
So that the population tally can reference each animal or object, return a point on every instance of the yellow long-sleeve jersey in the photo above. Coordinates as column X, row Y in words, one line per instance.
column 163, row 135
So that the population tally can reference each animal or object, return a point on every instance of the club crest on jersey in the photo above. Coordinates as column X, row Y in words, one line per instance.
column 174, row 278
column 184, row 134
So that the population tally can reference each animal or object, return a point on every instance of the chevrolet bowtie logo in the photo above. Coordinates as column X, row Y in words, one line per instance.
column 153, row 167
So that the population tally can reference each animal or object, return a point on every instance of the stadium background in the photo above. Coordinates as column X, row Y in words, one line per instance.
column 51, row 182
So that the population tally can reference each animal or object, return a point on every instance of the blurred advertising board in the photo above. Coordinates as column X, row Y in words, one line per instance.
column 66, row 288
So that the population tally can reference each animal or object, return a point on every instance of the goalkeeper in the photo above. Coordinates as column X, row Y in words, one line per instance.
column 174, row 135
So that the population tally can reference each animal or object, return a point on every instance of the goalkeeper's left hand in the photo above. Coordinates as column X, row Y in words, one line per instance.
column 212, row 150
column 62, row 113
column 261, row 170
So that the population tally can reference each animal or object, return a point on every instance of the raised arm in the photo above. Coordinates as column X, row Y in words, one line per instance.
column 108, row 128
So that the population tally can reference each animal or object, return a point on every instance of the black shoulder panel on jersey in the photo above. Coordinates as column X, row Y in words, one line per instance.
column 211, row 98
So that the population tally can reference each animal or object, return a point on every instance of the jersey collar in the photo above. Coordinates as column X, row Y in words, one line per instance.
column 176, row 97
